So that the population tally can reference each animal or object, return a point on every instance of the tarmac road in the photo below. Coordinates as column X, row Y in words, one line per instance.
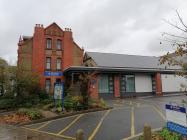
column 124, row 121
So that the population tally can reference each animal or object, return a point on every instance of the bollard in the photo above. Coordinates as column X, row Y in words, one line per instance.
column 147, row 132
column 79, row 134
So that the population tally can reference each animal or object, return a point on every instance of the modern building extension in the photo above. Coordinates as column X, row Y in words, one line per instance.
column 119, row 75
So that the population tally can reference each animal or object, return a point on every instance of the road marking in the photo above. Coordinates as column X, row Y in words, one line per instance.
column 159, row 112
column 67, row 127
column 98, row 126
column 63, row 136
column 132, row 122
column 43, row 125
column 53, row 120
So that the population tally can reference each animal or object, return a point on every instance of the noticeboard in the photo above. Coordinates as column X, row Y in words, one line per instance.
column 58, row 91
column 176, row 119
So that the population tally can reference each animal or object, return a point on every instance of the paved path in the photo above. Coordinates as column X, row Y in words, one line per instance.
column 124, row 121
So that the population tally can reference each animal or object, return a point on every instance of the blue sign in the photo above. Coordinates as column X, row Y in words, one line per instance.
column 177, row 128
column 49, row 73
column 176, row 108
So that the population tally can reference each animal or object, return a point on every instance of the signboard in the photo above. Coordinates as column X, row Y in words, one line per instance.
column 49, row 73
column 58, row 91
column 176, row 119
column 59, row 94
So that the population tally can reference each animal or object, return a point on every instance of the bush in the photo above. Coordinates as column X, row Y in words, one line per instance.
column 168, row 135
column 43, row 95
column 7, row 103
column 102, row 103
column 33, row 114
column 46, row 101
column 73, row 103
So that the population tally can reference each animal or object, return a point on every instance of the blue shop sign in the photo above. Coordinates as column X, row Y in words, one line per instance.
column 177, row 128
column 49, row 73
column 176, row 118
column 176, row 108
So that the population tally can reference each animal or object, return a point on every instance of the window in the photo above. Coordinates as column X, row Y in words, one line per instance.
column 58, row 44
column 103, row 84
column 127, row 84
column 49, row 43
column 47, row 85
column 130, row 83
column 58, row 64
column 48, row 63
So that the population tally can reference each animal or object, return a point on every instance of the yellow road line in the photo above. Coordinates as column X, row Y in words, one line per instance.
column 63, row 136
column 67, row 127
column 98, row 126
column 43, row 125
column 132, row 122
column 159, row 112
column 53, row 120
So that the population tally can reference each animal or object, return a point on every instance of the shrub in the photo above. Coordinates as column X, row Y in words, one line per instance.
column 43, row 95
column 168, row 135
column 102, row 103
column 32, row 113
column 73, row 103
column 7, row 103
column 46, row 101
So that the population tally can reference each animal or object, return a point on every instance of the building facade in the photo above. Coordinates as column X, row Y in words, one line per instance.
column 119, row 75
column 53, row 55
column 48, row 52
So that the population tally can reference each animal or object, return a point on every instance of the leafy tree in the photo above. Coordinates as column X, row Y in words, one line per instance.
column 84, row 81
column 26, row 85
column 3, row 75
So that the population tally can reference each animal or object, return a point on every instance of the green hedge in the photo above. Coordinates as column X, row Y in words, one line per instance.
column 32, row 113
column 7, row 103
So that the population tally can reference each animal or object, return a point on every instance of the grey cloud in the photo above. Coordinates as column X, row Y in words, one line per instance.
column 120, row 26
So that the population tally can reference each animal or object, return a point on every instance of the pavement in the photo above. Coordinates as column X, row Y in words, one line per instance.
column 125, row 121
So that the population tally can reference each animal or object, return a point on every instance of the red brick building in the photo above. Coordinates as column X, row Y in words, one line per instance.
column 48, row 52
column 52, row 54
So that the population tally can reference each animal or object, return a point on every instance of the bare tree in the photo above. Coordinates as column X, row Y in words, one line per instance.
column 179, row 42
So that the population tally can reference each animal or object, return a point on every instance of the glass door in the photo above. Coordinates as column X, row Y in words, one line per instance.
column 103, row 84
column 130, row 83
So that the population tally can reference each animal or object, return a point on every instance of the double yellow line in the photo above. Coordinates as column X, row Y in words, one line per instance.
column 98, row 126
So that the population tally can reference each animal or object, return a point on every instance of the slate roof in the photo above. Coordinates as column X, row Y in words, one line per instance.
column 127, row 61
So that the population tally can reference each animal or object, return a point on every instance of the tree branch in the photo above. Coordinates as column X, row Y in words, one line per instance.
column 168, row 22
column 181, row 20
column 164, row 33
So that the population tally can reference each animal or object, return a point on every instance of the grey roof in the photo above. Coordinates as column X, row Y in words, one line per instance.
column 126, row 61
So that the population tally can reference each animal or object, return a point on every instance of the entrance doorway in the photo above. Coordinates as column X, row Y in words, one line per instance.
column 106, row 86
column 127, row 85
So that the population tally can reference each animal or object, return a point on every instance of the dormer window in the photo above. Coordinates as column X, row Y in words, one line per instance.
column 49, row 43
column 59, row 44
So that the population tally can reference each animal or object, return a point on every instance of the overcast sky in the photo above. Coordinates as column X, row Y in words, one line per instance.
column 118, row 26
